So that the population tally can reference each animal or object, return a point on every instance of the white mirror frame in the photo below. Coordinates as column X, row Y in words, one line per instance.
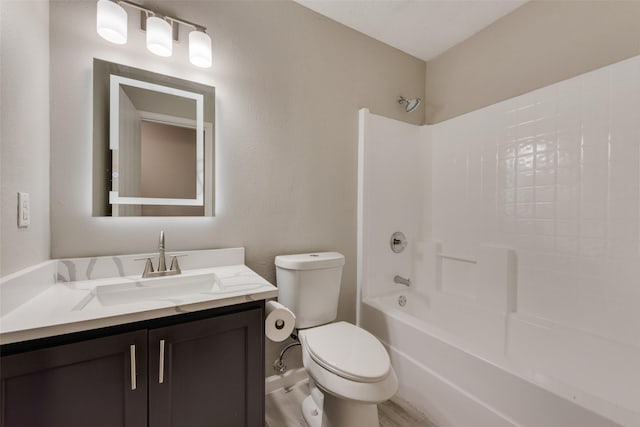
column 114, row 143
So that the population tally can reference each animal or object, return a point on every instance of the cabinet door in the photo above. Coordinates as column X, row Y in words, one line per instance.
column 208, row 372
column 87, row 383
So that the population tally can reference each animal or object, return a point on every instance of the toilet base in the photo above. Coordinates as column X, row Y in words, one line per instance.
column 312, row 414
column 338, row 412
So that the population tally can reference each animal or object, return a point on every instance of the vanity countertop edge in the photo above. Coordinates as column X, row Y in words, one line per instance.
column 63, row 307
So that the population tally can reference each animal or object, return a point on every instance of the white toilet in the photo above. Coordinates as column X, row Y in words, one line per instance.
column 350, row 370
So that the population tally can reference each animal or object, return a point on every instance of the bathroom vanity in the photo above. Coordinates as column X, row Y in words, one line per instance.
column 157, row 358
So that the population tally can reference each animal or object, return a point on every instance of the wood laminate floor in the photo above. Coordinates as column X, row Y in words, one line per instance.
column 284, row 409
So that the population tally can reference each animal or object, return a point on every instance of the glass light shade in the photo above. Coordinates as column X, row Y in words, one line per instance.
column 111, row 22
column 200, row 49
column 159, row 36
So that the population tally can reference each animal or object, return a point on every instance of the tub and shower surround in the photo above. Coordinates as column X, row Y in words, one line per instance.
column 523, row 220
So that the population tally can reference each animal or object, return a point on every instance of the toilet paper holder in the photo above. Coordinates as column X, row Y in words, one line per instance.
column 279, row 321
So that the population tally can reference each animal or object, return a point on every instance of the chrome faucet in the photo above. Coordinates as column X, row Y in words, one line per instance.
column 402, row 281
column 162, row 263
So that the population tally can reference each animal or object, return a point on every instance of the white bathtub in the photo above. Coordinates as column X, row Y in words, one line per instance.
column 466, row 367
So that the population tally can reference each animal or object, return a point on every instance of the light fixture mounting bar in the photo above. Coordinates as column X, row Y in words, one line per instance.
column 187, row 23
column 146, row 12
column 161, row 30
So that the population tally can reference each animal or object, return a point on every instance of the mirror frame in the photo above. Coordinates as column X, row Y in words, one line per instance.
column 114, row 140
column 102, row 155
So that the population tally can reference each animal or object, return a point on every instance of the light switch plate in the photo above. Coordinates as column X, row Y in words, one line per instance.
column 24, row 210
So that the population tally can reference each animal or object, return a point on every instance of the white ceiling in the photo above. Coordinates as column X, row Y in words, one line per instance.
column 422, row 28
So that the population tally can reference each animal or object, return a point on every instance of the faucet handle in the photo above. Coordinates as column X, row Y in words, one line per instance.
column 148, row 266
column 174, row 263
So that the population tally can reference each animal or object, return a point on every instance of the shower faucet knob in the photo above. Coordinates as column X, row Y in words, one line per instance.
column 398, row 242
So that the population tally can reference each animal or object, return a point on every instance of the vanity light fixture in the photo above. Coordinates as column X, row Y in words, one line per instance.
column 200, row 49
column 159, row 36
column 111, row 24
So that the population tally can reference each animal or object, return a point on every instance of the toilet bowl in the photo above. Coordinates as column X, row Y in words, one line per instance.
column 350, row 371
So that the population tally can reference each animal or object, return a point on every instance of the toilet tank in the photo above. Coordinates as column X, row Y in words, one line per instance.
column 309, row 285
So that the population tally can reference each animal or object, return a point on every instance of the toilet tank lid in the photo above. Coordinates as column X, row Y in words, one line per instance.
column 310, row 261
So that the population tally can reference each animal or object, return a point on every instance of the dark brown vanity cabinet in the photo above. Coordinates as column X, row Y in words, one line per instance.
column 203, row 372
column 212, row 375
column 86, row 383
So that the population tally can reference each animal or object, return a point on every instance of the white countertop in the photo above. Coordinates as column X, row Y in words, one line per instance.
column 73, row 306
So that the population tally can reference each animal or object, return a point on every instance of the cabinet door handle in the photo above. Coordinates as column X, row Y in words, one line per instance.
column 161, row 364
column 132, row 349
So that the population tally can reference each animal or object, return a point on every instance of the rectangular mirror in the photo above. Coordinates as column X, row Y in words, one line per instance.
column 153, row 144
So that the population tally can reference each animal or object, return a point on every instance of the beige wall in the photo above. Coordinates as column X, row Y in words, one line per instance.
column 24, row 131
column 289, row 84
column 538, row 44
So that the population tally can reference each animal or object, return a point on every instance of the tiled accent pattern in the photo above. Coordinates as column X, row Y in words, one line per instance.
column 554, row 174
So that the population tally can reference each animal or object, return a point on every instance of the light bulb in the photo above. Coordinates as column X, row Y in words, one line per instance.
column 200, row 49
column 159, row 36
column 111, row 22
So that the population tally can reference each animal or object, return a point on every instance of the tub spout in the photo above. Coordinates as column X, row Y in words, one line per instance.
column 401, row 280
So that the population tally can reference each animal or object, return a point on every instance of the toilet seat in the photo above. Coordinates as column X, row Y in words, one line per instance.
column 329, row 382
column 348, row 351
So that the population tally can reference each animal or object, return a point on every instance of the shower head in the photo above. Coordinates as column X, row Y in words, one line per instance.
column 410, row 104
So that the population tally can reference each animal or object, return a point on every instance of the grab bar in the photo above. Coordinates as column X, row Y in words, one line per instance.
column 457, row 258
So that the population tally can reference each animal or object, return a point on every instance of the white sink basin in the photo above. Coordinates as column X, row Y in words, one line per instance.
column 156, row 288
